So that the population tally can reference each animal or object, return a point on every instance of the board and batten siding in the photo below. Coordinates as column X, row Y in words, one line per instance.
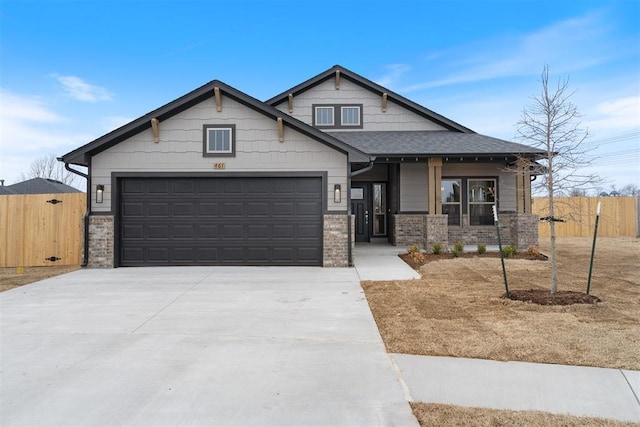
column 394, row 119
column 257, row 150
column 506, row 179
column 413, row 187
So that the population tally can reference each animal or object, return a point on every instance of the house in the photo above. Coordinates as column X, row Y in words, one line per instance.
column 217, row 177
column 38, row 186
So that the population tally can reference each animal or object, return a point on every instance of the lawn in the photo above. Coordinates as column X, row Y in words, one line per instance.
column 456, row 308
column 11, row 277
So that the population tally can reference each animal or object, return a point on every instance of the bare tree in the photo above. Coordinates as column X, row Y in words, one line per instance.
column 552, row 123
column 50, row 168
column 630, row 190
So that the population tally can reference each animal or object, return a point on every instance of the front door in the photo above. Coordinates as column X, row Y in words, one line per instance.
column 360, row 209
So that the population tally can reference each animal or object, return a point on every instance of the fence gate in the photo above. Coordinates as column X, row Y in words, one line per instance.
column 41, row 229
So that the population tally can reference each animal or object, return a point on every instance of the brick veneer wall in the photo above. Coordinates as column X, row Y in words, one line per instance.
column 408, row 229
column 436, row 231
column 524, row 230
column 336, row 240
column 101, row 241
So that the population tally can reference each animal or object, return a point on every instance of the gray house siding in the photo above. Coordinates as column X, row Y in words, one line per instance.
column 180, row 149
column 395, row 117
column 413, row 187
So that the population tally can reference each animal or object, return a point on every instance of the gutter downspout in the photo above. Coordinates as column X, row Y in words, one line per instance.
column 85, row 219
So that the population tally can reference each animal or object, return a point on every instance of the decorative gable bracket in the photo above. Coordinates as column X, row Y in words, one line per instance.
column 280, row 129
column 216, row 91
column 155, row 127
column 384, row 102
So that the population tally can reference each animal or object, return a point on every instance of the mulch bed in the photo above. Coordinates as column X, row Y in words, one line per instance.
column 545, row 297
column 416, row 264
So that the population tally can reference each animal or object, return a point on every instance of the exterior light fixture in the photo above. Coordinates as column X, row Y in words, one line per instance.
column 99, row 193
column 337, row 196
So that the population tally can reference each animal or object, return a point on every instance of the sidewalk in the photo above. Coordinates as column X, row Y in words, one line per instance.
column 574, row 390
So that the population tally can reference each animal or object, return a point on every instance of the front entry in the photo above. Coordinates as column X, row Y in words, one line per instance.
column 360, row 209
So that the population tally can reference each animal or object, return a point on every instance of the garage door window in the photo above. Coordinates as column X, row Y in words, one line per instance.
column 219, row 140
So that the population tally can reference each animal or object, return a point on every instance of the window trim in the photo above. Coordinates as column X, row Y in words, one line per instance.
column 232, row 141
column 337, row 116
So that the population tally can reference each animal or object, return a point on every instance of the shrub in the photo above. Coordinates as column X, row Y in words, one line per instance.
column 533, row 251
column 413, row 249
column 437, row 248
column 458, row 246
column 508, row 251
column 418, row 257
column 455, row 252
column 482, row 248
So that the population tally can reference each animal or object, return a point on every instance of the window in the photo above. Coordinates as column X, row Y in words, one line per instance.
column 350, row 116
column 379, row 209
column 324, row 116
column 219, row 140
column 451, row 200
column 482, row 196
column 337, row 116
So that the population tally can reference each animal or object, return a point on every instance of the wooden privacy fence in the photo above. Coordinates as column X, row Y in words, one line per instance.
column 618, row 216
column 41, row 229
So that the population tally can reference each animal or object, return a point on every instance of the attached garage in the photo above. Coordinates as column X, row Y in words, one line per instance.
column 220, row 221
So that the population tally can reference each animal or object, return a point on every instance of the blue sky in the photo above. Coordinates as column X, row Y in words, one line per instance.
column 72, row 71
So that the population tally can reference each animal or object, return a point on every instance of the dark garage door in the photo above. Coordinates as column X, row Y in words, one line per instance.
column 220, row 221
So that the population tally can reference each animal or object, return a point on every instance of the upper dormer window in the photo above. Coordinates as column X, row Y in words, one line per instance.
column 350, row 116
column 324, row 116
column 337, row 116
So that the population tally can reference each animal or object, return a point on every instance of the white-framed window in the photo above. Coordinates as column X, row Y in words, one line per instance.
column 219, row 140
column 452, row 200
column 324, row 116
column 337, row 115
column 481, row 196
column 350, row 116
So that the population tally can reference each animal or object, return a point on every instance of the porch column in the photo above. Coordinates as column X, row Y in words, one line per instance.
column 523, row 186
column 435, row 185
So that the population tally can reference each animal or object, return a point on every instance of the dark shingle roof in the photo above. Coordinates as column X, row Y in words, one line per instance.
column 426, row 143
column 39, row 186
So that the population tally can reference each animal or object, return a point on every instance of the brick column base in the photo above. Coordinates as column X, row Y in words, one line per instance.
column 100, row 241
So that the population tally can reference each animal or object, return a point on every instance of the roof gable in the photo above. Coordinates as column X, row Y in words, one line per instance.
column 373, row 87
column 82, row 155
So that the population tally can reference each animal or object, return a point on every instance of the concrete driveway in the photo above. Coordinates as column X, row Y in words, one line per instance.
column 200, row 346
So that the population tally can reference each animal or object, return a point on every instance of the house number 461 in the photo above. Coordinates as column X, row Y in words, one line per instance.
column 219, row 165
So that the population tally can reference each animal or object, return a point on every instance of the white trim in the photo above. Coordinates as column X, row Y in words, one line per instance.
column 323, row 107
column 356, row 107
column 230, row 132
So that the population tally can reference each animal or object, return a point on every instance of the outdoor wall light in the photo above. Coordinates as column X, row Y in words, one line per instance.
column 337, row 196
column 99, row 193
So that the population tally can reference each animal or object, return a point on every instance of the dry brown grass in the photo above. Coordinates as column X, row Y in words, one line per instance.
column 456, row 309
column 12, row 277
column 434, row 414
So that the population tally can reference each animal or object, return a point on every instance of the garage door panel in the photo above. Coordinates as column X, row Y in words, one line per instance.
column 220, row 221
column 158, row 186
column 132, row 209
column 158, row 209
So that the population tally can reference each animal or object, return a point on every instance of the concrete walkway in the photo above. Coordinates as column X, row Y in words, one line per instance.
column 375, row 261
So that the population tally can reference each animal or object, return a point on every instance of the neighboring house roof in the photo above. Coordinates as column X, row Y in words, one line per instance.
column 426, row 143
column 38, row 186
column 373, row 87
column 81, row 155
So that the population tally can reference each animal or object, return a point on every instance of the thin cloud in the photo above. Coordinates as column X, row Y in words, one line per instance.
column 394, row 73
column 568, row 45
column 80, row 90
